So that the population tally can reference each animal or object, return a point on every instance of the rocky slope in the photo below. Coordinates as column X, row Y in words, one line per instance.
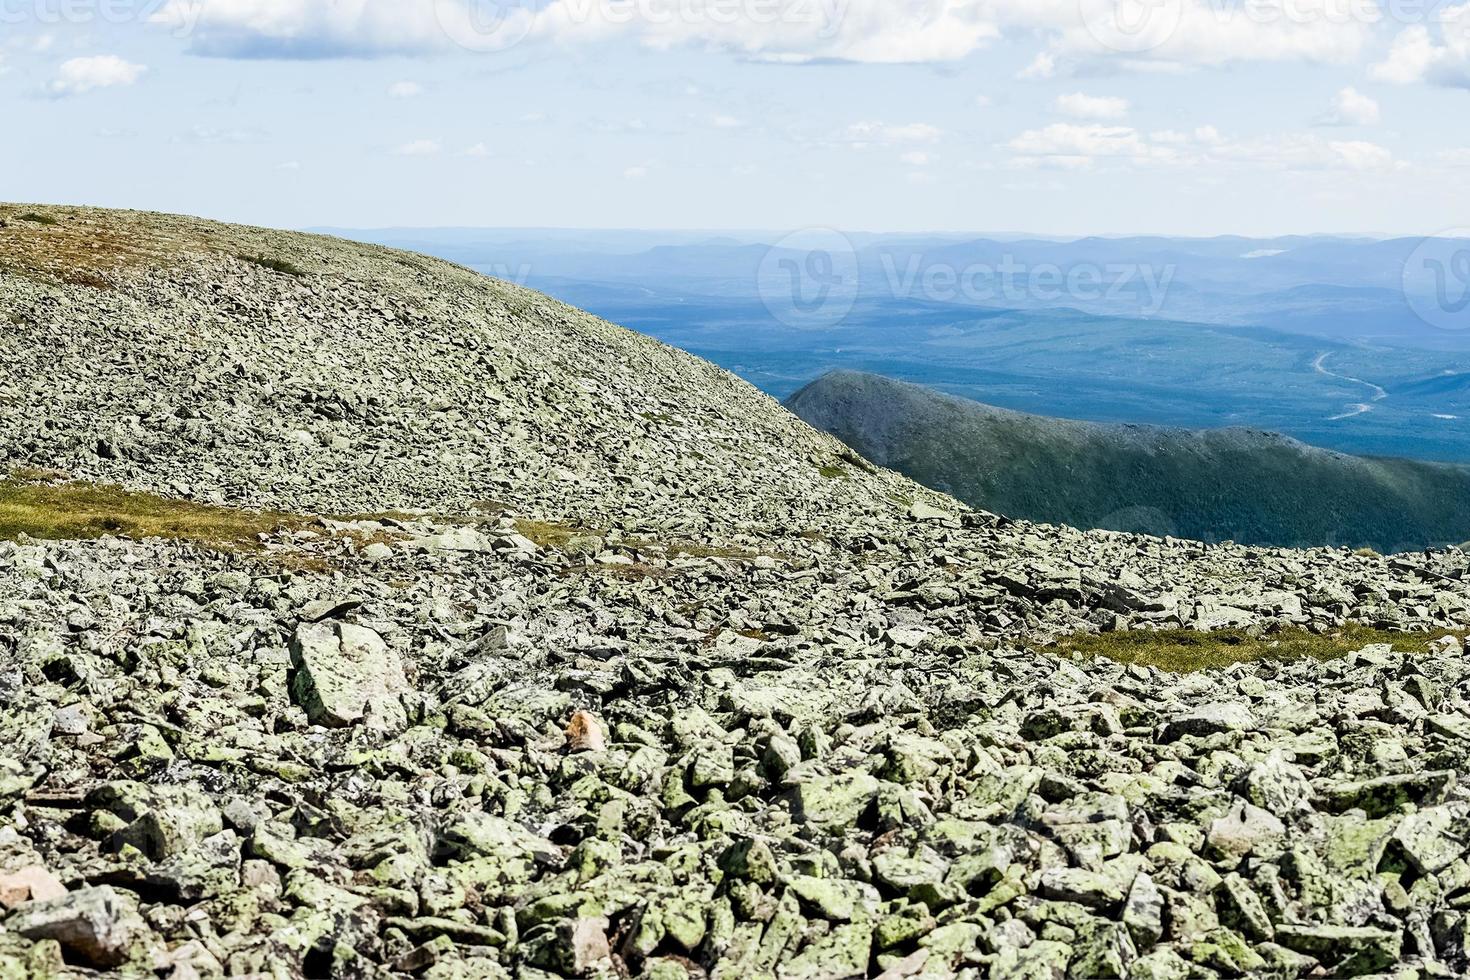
column 598, row 663
column 1214, row 485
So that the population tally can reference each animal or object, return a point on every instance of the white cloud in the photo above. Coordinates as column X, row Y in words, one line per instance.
column 881, row 31
column 418, row 148
column 726, row 122
column 1174, row 32
column 405, row 90
column 1043, row 66
column 1458, row 157
column 1069, row 146
column 306, row 28
column 1152, row 35
column 1084, row 106
column 635, row 173
column 1074, row 147
column 864, row 134
column 210, row 135
column 1352, row 108
column 478, row 150
column 1308, row 152
column 786, row 31
column 86, row 74
column 1361, row 155
column 915, row 158
column 1418, row 56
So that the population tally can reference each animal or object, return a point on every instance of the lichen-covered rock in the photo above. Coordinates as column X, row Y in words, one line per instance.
column 98, row 926
column 344, row 671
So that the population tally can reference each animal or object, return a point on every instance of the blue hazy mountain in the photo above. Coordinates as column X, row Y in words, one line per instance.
column 1311, row 336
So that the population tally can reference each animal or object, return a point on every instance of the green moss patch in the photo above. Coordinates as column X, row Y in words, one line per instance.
column 1183, row 651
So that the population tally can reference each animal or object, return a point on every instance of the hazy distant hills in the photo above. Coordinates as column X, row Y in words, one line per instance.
column 1310, row 336
column 1236, row 484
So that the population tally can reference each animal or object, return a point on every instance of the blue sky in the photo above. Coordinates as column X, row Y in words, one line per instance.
column 1195, row 117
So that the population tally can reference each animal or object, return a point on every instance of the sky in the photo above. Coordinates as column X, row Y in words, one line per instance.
column 1055, row 117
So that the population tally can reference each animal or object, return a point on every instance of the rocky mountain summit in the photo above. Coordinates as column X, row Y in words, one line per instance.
column 365, row 617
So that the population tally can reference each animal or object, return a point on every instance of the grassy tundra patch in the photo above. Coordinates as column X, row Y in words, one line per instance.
column 1184, row 651
column 39, row 507
column 274, row 265
column 78, row 249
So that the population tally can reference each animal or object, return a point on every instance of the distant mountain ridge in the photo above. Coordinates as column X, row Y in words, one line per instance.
column 1244, row 485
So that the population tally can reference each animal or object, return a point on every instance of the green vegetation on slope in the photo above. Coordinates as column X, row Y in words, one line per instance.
column 1211, row 485
column 1182, row 651
column 31, row 504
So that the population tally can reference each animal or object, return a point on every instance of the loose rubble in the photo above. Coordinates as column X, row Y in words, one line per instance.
column 594, row 670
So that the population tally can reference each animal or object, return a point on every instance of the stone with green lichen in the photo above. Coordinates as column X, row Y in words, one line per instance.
column 834, row 899
column 781, row 932
column 749, row 860
column 345, row 672
column 834, row 804
column 1349, row 950
column 476, row 968
column 1161, row 964
column 1226, row 951
column 951, row 943
column 97, row 926
column 1353, row 847
column 1246, row 829
column 912, row 758
column 1143, row 911
column 1384, row 795
column 1042, row 960
column 1434, row 838
column 843, row 952
column 907, row 924
column 904, row 872
column 1103, row 949
column 21, row 959
column 1241, row 909
column 570, row 946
